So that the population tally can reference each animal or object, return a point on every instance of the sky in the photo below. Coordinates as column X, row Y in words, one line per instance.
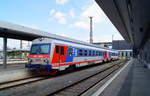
column 68, row 18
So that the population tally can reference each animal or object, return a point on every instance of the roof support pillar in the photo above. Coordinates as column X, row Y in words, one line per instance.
column 5, row 52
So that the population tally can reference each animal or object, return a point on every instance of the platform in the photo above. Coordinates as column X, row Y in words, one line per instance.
column 13, row 64
column 134, row 80
column 12, row 67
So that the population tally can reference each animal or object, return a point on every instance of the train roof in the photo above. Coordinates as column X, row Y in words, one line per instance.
column 78, row 42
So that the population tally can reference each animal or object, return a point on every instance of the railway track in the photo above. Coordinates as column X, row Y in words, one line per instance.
column 4, row 87
column 83, row 85
column 20, row 82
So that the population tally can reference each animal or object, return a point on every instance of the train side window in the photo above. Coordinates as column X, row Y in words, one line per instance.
column 102, row 53
column 90, row 52
column 61, row 50
column 80, row 52
column 70, row 50
column 93, row 53
column 99, row 53
column 85, row 52
column 96, row 53
column 57, row 49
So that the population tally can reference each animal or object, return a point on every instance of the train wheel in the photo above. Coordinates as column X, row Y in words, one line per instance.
column 53, row 72
column 71, row 68
column 103, row 61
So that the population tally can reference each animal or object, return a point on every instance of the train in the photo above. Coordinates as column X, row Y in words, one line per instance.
column 50, row 55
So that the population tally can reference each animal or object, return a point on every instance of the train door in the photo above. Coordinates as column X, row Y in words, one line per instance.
column 69, row 54
column 59, row 54
column 105, row 54
column 108, row 56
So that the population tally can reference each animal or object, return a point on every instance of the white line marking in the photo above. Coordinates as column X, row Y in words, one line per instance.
column 99, row 91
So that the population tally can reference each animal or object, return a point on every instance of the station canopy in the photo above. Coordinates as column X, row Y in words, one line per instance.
column 131, row 18
column 16, row 31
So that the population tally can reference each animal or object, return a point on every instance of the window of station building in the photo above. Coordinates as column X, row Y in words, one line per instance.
column 61, row 50
column 57, row 49
column 122, row 53
column 80, row 52
column 85, row 52
column 126, row 54
column 90, row 52
column 130, row 53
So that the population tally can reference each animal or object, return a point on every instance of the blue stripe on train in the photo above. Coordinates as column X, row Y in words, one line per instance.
column 38, row 66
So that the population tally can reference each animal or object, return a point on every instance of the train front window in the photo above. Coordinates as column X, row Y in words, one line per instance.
column 40, row 49
column 34, row 49
column 44, row 49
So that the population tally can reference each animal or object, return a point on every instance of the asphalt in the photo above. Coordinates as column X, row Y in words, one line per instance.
column 134, row 80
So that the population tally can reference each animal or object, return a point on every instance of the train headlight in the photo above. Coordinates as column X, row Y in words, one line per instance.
column 46, row 61
column 29, row 60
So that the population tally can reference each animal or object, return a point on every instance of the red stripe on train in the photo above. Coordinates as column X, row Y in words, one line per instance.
column 39, row 56
column 71, row 63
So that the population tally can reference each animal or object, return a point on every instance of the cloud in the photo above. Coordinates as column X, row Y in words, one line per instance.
column 52, row 11
column 71, row 13
column 81, row 24
column 59, row 16
column 61, row 2
column 95, row 11
column 92, row 10
column 107, row 38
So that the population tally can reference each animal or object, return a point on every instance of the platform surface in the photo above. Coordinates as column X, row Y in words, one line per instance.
column 12, row 67
column 134, row 80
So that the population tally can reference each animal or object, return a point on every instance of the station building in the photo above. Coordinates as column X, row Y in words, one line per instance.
column 124, row 48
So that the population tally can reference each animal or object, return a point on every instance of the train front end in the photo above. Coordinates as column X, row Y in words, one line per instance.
column 39, row 57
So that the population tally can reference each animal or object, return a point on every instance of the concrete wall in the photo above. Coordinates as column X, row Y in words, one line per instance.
column 144, row 54
column 121, row 45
